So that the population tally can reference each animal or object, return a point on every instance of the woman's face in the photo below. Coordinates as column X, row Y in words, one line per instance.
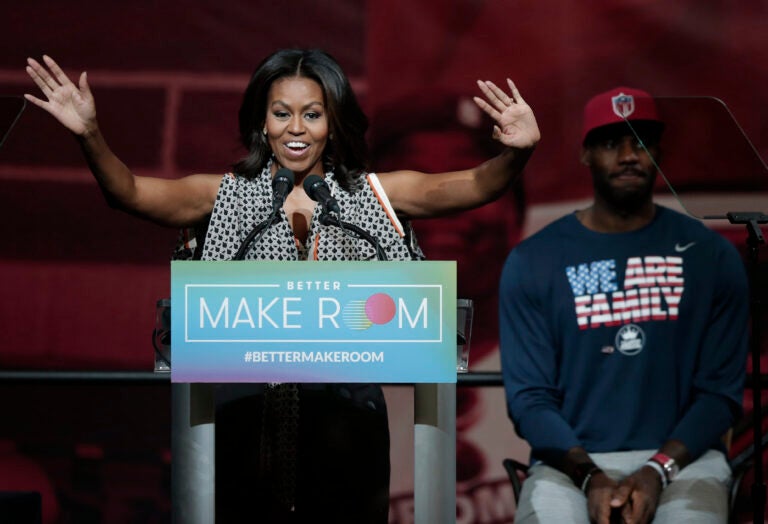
column 297, row 124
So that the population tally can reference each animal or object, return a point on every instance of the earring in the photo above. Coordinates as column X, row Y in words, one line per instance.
column 264, row 131
column 330, row 136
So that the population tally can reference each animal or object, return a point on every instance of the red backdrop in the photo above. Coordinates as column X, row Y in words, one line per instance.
column 79, row 281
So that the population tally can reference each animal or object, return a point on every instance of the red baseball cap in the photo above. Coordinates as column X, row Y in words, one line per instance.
column 616, row 106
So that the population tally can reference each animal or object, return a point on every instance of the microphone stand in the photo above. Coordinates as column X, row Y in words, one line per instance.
column 329, row 219
column 755, row 237
column 258, row 230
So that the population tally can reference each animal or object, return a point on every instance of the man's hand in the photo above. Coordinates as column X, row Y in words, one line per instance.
column 637, row 496
column 600, row 492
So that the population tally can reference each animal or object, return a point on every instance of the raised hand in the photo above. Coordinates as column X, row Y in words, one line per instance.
column 70, row 104
column 515, row 123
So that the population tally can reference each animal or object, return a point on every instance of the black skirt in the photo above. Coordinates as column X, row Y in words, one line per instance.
column 342, row 456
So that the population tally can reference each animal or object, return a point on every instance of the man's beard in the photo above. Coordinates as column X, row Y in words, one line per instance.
column 624, row 199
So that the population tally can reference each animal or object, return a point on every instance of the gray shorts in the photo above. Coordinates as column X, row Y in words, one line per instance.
column 699, row 495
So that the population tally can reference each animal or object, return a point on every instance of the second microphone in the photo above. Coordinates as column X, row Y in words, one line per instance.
column 319, row 191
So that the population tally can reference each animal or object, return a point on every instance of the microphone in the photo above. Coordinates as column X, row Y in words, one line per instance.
column 319, row 191
column 282, row 184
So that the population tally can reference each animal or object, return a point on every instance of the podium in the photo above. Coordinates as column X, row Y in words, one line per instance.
column 286, row 317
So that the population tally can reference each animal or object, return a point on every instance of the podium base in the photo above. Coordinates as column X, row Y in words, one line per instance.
column 193, row 453
column 434, row 490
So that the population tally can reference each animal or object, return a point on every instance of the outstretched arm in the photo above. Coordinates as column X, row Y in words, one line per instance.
column 179, row 202
column 416, row 194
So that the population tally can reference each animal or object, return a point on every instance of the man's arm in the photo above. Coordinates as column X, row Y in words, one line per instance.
column 529, row 363
column 718, row 388
column 719, row 380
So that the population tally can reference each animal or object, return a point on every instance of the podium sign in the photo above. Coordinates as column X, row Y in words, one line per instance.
column 334, row 321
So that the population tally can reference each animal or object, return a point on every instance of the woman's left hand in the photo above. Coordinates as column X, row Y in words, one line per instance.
column 515, row 123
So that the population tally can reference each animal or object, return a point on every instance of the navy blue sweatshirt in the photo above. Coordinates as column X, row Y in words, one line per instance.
column 621, row 341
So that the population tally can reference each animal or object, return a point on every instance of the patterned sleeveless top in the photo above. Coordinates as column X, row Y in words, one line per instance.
column 243, row 203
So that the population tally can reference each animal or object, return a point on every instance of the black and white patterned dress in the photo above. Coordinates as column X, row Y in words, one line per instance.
column 241, row 204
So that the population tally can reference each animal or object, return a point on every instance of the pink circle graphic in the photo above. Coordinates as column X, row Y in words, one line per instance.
column 380, row 308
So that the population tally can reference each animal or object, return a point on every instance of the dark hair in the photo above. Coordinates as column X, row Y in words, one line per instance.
column 346, row 153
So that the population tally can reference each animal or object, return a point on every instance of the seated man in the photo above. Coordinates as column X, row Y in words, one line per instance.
column 623, row 331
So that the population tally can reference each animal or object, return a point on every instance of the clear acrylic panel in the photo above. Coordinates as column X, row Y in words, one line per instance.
column 11, row 108
column 705, row 159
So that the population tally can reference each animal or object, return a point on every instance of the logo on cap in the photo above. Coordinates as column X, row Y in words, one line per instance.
column 623, row 105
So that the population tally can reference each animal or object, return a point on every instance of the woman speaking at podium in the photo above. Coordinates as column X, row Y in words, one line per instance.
column 297, row 453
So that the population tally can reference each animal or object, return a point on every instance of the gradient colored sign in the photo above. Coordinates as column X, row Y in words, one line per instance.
column 384, row 322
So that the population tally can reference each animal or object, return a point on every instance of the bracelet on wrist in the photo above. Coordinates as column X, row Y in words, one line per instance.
column 584, row 473
column 591, row 473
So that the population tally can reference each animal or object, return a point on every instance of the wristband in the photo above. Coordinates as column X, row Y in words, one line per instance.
column 668, row 465
column 655, row 465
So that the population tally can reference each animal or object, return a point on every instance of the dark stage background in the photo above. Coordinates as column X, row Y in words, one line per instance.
column 79, row 282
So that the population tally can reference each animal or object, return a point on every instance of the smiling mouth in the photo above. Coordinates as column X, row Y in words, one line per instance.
column 297, row 147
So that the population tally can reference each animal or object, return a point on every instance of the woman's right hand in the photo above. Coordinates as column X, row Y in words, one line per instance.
column 70, row 104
